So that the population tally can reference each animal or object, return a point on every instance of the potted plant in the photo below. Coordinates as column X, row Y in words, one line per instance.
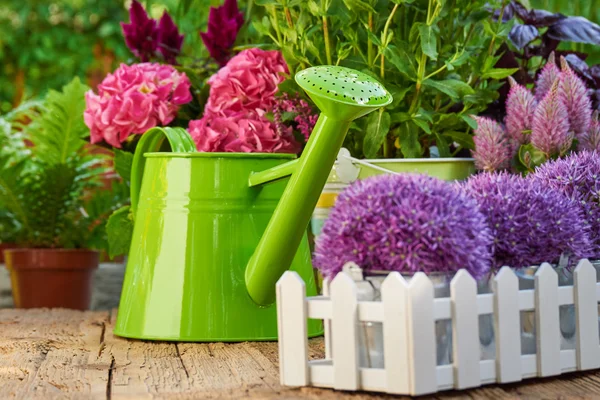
column 52, row 195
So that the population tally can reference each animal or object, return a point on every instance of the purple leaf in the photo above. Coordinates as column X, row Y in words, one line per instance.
column 575, row 29
column 541, row 18
column 522, row 35
column 579, row 66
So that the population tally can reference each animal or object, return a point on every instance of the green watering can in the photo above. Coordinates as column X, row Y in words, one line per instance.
column 215, row 231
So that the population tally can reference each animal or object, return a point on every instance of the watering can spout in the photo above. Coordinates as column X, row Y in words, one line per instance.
column 342, row 95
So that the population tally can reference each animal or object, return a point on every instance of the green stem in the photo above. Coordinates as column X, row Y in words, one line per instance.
column 273, row 13
column 288, row 17
column 385, row 31
column 493, row 41
column 326, row 38
column 370, row 54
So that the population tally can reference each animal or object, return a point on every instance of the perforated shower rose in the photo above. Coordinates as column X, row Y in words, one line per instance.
column 134, row 99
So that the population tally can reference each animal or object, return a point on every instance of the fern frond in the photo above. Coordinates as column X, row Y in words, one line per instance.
column 60, row 131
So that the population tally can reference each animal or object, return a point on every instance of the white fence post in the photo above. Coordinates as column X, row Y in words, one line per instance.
column 586, row 311
column 394, row 295
column 547, row 321
column 346, row 373
column 465, row 331
column 327, row 322
column 507, row 326
column 292, row 326
column 421, row 336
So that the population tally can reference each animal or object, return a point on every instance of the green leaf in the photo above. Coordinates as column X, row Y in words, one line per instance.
column 378, row 126
column 409, row 141
column 499, row 73
column 61, row 130
column 428, row 41
column 442, row 145
column 423, row 125
column 452, row 87
column 470, row 121
column 531, row 157
column 119, row 229
column 359, row 6
column 464, row 139
column 402, row 60
column 123, row 161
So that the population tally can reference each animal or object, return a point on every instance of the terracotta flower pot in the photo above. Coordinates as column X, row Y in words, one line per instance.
column 51, row 277
column 6, row 246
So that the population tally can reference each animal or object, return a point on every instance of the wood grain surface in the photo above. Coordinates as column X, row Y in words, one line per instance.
column 63, row 354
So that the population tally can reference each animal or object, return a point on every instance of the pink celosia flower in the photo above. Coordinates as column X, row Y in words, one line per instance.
column 249, row 81
column 134, row 99
column 549, row 74
column 493, row 150
column 573, row 93
column 520, row 106
column 303, row 114
column 590, row 140
column 550, row 129
column 241, row 132
column 224, row 23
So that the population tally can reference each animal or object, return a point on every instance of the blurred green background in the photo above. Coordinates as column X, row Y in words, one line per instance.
column 44, row 43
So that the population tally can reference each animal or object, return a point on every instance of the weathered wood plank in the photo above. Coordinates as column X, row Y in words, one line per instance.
column 47, row 354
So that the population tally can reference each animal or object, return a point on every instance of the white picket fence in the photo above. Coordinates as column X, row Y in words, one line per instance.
column 408, row 313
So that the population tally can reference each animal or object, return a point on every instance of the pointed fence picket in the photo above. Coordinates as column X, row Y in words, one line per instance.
column 409, row 313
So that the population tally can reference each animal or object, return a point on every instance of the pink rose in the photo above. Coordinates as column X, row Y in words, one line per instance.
column 134, row 99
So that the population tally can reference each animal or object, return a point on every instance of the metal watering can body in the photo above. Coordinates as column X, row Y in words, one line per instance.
column 196, row 226
column 215, row 231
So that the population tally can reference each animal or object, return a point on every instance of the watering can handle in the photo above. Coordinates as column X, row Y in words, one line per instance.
column 151, row 141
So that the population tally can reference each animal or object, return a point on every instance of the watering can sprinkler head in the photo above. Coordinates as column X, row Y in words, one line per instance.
column 342, row 95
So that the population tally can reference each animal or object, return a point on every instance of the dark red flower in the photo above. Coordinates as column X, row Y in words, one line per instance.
column 169, row 39
column 141, row 33
column 224, row 23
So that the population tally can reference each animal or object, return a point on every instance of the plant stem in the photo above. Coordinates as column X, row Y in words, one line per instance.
column 385, row 31
column 273, row 13
column 288, row 17
column 369, row 42
column 493, row 41
column 326, row 38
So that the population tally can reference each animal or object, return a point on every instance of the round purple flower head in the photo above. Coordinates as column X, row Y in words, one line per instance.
column 578, row 176
column 404, row 223
column 531, row 222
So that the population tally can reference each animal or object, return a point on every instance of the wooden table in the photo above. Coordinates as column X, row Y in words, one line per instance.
column 48, row 354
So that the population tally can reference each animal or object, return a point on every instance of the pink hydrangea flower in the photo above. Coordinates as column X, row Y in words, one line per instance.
column 573, row 93
column 550, row 131
column 549, row 74
column 249, row 81
column 241, row 132
column 235, row 115
column 493, row 150
column 520, row 106
column 134, row 99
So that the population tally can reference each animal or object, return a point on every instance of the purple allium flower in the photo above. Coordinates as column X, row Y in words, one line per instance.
column 531, row 223
column 550, row 129
column 550, row 73
column 224, row 23
column 404, row 223
column 169, row 39
column 520, row 106
column 578, row 176
column 493, row 150
column 141, row 33
column 303, row 114
column 573, row 93
column 590, row 140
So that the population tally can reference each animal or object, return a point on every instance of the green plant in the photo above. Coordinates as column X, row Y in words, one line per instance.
column 51, row 193
column 437, row 58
